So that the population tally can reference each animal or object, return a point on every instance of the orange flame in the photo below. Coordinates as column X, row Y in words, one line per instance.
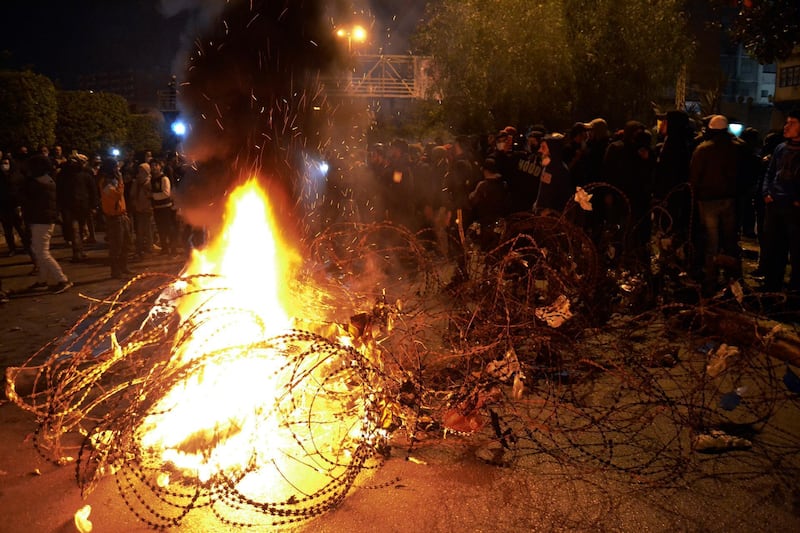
column 238, row 413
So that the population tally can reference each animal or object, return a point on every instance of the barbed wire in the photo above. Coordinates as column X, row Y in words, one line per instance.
column 545, row 348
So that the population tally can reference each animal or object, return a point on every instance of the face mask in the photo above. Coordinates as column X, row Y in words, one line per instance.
column 5, row 167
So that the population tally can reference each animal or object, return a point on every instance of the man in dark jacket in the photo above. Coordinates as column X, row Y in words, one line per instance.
column 781, row 190
column 491, row 202
column 41, row 212
column 77, row 189
column 11, row 182
column 713, row 174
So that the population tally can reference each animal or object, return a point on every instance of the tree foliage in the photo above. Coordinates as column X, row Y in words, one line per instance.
column 768, row 29
column 627, row 54
column 145, row 132
column 497, row 62
column 517, row 61
column 91, row 122
column 28, row 110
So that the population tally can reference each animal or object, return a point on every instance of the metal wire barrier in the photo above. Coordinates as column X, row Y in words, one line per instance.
column 543, row 348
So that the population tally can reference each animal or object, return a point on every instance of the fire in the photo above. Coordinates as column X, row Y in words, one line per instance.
column 255, row 404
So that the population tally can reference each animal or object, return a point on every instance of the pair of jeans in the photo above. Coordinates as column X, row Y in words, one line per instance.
column 718, row 218
column 143, row 232
column 781, row 245
column 49, row 270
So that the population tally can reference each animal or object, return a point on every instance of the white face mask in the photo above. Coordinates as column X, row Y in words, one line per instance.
column 5, row 167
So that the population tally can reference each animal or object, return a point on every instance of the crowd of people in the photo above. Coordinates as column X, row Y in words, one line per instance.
column 708, row 186
column 713, row 186
column 131, row 200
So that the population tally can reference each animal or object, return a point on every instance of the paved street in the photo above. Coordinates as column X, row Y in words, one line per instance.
column 440, row 486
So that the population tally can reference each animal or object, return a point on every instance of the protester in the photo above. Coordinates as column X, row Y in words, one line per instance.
column 713, row 174
column 781, row 191
column 112, row 200
column 141, row 207
column 41, row 212
column 163, row 208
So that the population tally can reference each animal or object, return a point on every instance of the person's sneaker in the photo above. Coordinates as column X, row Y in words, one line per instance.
column 61, row 286
column 3, row 298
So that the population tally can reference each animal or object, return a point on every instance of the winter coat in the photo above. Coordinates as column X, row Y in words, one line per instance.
column 40, row 205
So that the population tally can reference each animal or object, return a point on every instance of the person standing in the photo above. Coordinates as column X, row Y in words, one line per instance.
column 556, row 186
column 40, row 212
column 142, row 209
column 78, row 194
column 112, row 201
column 163, row 208
column 491, row 202
column 11, row 184
column 713, row 174
column 781, row 192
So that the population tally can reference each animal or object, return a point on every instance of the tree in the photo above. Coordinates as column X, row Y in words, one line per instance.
column 768, row 29
column 90, row 121
column 517, row 62
column 144, row 132
column 27, row 110
column 626, row 53
column 497, row 63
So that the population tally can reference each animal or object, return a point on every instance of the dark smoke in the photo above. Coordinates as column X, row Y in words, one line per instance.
column 252, row 97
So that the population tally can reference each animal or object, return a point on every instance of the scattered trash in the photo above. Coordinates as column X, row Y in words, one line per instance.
column 518, row 388
column 583, row 198
column 730, row 401
column 707, row 347
column 82, row 522
column 555, row 314
column 504, row 368
column 791, row 380
column 719, row 441
column 416, row 461
column 738, row 292
column 493, row 453
column 718, row 359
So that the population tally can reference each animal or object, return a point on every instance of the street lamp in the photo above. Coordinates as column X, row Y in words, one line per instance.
column 356, row 33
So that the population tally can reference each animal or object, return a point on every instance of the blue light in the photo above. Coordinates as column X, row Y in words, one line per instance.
column 323, row 167
column 115, row 152
column 179, row 128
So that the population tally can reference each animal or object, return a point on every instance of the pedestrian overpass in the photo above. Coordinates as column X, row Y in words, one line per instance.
column 382, row 76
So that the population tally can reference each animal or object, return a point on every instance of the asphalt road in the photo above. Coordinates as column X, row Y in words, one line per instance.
column 441, row 485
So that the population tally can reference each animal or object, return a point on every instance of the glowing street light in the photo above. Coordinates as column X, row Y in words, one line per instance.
column 356, row 33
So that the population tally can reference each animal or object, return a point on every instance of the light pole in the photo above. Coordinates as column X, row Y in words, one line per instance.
column 355, row 33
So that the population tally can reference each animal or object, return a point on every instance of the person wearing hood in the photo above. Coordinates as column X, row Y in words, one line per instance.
column 78, row 192
column 115, row 212
column 40, row 212
column 671, row 173
column 628, row 166
column 556, row 184
column 141, row 200
column 713, row 174
column 490, row 202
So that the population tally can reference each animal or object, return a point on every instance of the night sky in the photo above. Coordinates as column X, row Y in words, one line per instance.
column 63, row 39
